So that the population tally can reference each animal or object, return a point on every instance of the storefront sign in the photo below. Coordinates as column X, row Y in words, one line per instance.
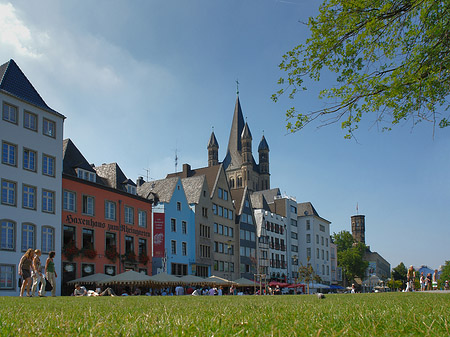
column 158, row 234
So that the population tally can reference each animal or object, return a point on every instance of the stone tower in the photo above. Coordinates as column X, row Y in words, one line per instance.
column 247, row 162
column 264, row 175
column 359, row 228
column 213, row 150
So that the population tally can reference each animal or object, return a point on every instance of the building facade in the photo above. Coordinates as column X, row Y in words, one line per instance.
column 106, row 226
column 30, row 172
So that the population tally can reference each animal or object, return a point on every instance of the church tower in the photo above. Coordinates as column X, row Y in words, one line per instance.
column 264, row 175
column 247, row 167
column 359, row 228
column 213, row 150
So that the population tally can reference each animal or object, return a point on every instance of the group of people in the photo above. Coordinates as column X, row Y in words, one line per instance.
column 428, row 282
column 30, row 272
column 81, row 291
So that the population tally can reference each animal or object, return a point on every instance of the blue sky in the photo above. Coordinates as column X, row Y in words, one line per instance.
column 140, row 80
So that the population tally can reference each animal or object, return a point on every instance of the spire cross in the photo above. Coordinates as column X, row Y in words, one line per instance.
column 237, row 87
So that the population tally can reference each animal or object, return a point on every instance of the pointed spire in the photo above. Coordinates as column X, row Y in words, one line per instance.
column 246, row 134
column 213, row 141
column 263, row 144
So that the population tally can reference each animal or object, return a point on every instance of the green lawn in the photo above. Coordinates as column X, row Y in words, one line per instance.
column 389, row 314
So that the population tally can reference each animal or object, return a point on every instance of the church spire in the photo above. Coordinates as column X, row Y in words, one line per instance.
column 213, row 150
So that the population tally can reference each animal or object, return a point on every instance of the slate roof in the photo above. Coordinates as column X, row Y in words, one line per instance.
column 269, row 195
column 246, row 134
column 163, row 188
column 72, row 159
column 14, row 82
column 111, row 175
column 306, row 208
column 259, row 202
column 211, row 173
column 233, row 157
column 238, row 197
column 263, row 144
column 193, row 187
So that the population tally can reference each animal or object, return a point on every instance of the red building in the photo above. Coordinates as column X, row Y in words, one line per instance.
column 106, row 226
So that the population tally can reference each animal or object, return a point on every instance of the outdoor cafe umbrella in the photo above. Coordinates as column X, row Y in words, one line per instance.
column 165, row 279
column 192, row 280
column 130, row 277
column 218, row 281
column 91, row 279
column 243, row 282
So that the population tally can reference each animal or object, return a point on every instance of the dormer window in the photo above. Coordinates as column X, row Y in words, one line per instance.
column 131, row 189
column 85, row 175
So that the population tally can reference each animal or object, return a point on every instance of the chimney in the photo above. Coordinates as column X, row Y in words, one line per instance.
column 186, row 170
column 140, row 181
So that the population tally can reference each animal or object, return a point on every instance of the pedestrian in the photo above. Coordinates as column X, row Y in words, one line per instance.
column 446, row 286
column 25, row 267
column 410, row 276
column 50, row 271
column 353, row 288
column 37, row 275
column 422, row 282
column 435, row 279
column 428, row 281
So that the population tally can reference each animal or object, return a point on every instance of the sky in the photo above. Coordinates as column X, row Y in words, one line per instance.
column 140, row 82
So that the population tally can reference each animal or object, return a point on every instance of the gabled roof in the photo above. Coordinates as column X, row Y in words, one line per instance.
column 163, row 188
column 193, row 187
column 306, row 208
column 73, row 159
column 112, row 176
column 14, row 82
column 211, row 173
column 238, row 197
column 269, row 195
column 259, row 202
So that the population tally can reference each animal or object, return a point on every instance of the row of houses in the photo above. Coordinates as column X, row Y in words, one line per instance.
column 223, row 219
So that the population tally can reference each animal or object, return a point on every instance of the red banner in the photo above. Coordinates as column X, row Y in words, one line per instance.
column 158, row 234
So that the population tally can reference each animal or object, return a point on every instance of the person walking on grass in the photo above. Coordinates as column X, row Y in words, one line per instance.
column 428, row 281
column 435, row 279
column 410, row 276
column 50, row 271
column 37, row 275
column 422, row 282
column 25, row 267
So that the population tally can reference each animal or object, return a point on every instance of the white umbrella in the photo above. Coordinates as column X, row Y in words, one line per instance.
column 129, row 277
column 192, row 279
column 243, row 282
column 164, row 278
column 90, row 279
column 218, row 280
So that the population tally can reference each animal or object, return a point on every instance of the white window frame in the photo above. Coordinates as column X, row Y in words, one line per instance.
column 47, row 239
column 69, row 201
column 88, row 205
column 9, row 154
column 29, row 196
column 48, row 165
column 129, row 215
column 27, row 117
column 7, row 273
column 29, row 160
column 6, row 113
column 110, row 210
column 142, row 218
column 28, row 236
column 49, row 128
column 7, row 228
column 10, row 190
column 48, row 201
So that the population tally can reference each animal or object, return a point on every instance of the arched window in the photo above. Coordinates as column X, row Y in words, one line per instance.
column 7, row 234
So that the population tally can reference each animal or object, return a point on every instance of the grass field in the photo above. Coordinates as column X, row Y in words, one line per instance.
column 382, row 314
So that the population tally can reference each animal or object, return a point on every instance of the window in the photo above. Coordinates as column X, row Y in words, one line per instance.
column 88, row 205
column 214, row 206
column 28, row 236
column 49, row 128
column 221, row 229
column 225, row 213
column 9, row 113
column 7, row 235
column 86, row 175
column 69, row 201
column 8, row 193
column 293, row 222
column 88, row 238
column 308, row 225
column 173, row 246
column 326, row 240
column 173, row 225
column 322, row 228
column 205, row 231
column 308, row 252
column 317, row 239
column 7, row 277
column 328, row 256
column 179, row 269
column 48, row 201
column 48, row 165
column 308, row 238
column 129, row 215
column 294, row 235
column 9, row 154
column 142, row 246
column 131, row 189
column 142, row 218
column 129, row 244
column 48, row 239
column 205, row 251
column 230, row 231
column 87, row 269
column 225, row 230
column 184, row 248
column 29, row 160
column 322, row 240
column 178, row 206
column 68, row 235
column 110, row 270
column 216, row 228
column 29, row 120
column 110, row 241
column 225, row 195
column 317, row 253
column 247, row 204
column 230, row 214
column 110, row 210
column 220, row 193
column 220, row 211
column 183, row 227
column 204, row 212
column 29, row 197
column 293, row 209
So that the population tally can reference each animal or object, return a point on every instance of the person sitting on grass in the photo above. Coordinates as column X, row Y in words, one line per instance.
column 107, row 292
column 79, row 290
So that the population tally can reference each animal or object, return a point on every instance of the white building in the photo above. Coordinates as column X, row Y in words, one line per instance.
column 31, row 176
column 314, row 234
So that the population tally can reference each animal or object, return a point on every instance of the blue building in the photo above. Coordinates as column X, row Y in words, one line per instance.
column 179, row 225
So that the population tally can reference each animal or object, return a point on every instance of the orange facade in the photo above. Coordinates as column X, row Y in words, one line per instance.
column 104, row 231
